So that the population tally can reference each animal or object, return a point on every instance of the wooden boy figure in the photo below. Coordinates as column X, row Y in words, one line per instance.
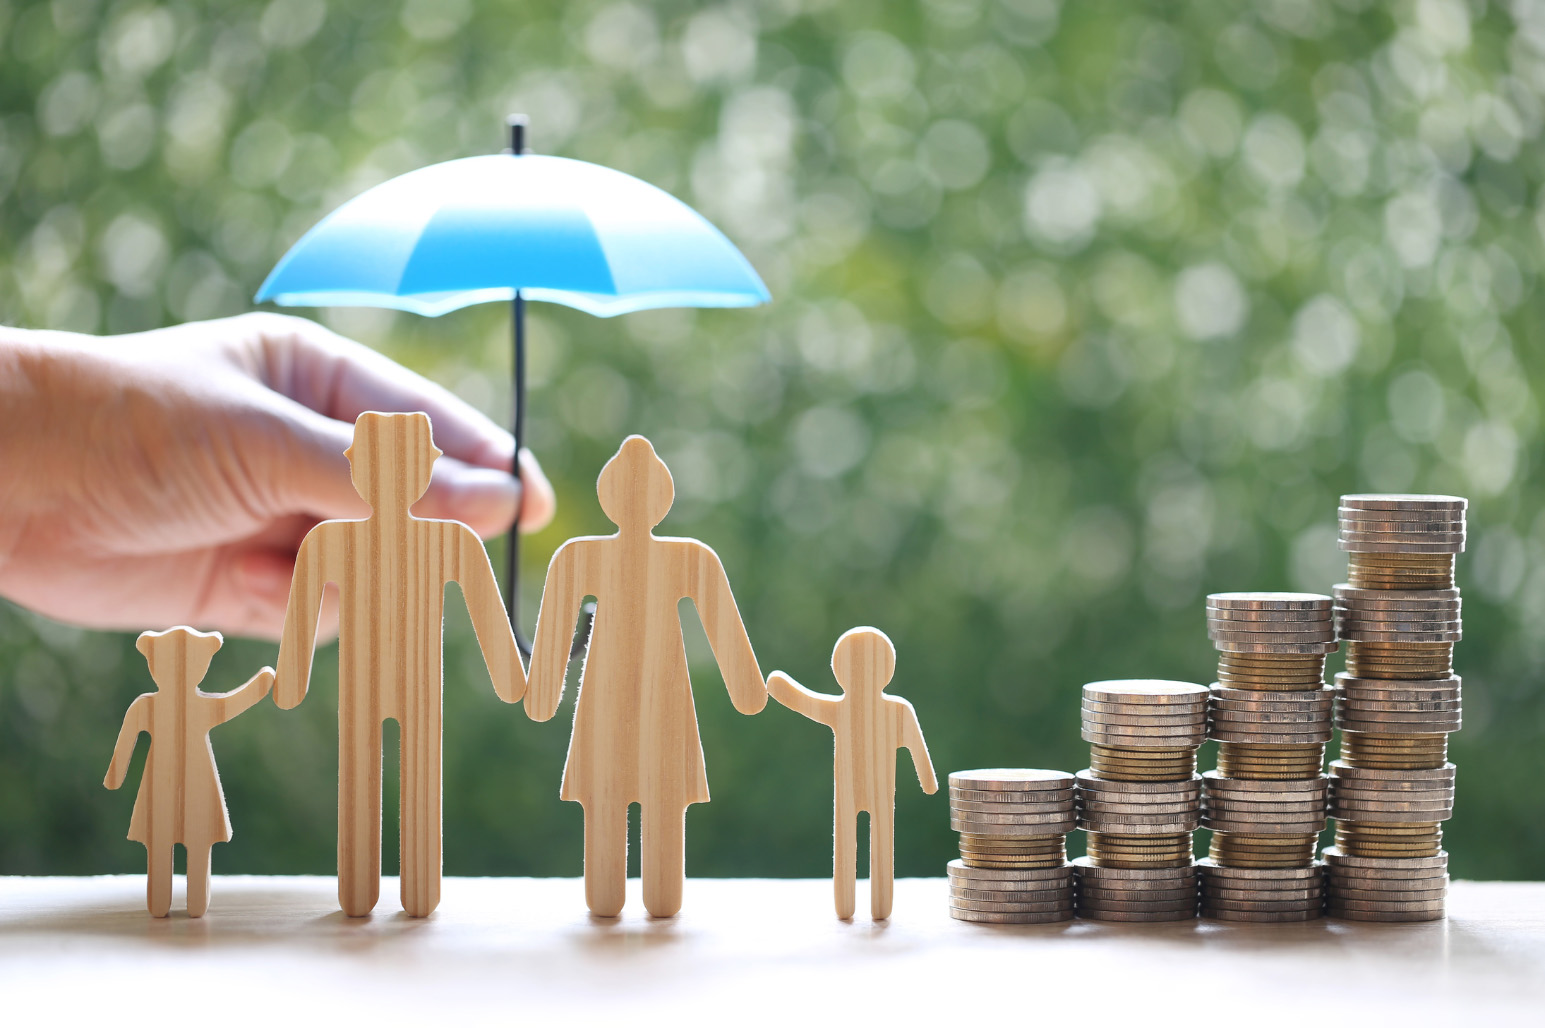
column 391, row 570
column 179, row 799
column 869, row 728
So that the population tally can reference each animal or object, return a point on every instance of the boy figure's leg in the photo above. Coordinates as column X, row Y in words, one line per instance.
column 845, row 857
column 881, row 859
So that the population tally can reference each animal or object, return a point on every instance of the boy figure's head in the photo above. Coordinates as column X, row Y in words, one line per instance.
column 178, row 655
column 863, row 660
column 635, row 487
column 391, row 460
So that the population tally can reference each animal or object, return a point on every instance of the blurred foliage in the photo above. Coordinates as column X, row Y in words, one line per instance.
column 1081, row 311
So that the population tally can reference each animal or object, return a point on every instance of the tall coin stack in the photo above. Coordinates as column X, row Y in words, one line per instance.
column 1140, row 800
column 1013, row 866
column 1396, row 703
column 1271, row 716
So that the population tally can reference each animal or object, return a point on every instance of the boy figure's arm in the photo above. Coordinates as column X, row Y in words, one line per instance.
column 495, row 634
column 912, row 739
column 803, row 701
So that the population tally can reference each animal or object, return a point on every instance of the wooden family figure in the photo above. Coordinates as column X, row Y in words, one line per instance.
column 180, row 801
column 868, row 728
column 635, row 735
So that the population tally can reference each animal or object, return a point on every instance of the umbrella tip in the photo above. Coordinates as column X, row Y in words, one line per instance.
column 516, row 123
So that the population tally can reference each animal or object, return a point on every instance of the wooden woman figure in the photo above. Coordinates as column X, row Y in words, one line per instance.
column 635, row 728
column 391, row 570
column 869, row 727
column 180, row 800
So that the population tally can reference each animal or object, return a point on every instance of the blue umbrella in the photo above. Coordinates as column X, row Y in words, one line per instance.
column 514, row 227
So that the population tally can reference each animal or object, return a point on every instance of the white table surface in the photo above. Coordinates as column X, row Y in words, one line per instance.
column 743, row 951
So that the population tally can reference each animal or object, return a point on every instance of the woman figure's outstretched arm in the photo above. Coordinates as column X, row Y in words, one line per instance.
column 135, row 721
column 561, row 597
column 709, row 588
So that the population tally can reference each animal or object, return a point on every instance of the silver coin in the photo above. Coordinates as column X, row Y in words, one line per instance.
column 1088, row 782
column 1221, row 811
column 1283, row 648
column 958, row 869
column 972, row 806
column 1288, row 696
column 1361, row 706
column 1333, row 857
column 1210, row 868
column 1341, row 903
column 1224, row 627
column 1084, row 869
column 1418, row 599
column 1403, row 501
column 1137, row 915
column 1267, row 601
column 1268, row 723
column 1234, row 897
column 1376, row 790
column 984, row 900
column 1015, row 830
column 1340, row 769
column 1372, row 521
column 1143, row 690
column 1142, row 803
column 1383, row 882
column 1134, row 904
column 1396, row 718
column 1268, row 738
column 1356, row 546
column 1288, row 824
column 1426, row 897
column 1103, row 721
column 1210, row 903
column 1264, row 917
column 1252, row 616
column 1005, row 796
column 1363, row 915
column 1182, row 705
column 1011, row 908
column 1366, row 530
column 983, row 917
column 1020, row 778
column 1235, row 639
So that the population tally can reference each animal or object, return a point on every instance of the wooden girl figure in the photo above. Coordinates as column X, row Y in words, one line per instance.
column 635, row 728
column 179, row 799
column 869, row 727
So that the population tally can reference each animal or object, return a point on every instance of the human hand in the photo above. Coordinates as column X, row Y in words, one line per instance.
column 168, row 477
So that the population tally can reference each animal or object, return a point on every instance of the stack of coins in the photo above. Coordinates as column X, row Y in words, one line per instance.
column 1013, row 866
column 1140, row 800
column 1271, row 715
column 1396, row 703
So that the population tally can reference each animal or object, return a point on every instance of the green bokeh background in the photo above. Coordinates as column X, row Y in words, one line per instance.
column 1081, row 311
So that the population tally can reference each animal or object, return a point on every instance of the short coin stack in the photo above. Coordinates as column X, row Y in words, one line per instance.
column 1013, row 866
column 1396, row 703
column 1140, row 799
column 1271, row 715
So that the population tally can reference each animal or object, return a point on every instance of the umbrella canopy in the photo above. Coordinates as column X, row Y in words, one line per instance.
column 484, row 228
column 514, row 227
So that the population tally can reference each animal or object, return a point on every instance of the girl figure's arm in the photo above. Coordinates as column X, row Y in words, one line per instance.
column 135, row 721
column 229, row 704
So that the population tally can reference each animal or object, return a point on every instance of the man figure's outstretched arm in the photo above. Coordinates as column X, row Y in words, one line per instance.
column 709, row 589
column 298, row 643
column 495, row 634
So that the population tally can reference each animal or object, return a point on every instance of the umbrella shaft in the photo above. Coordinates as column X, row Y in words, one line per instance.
column 512, row 551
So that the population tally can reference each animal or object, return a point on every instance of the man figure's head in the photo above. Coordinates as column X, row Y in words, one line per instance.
column 391, row 460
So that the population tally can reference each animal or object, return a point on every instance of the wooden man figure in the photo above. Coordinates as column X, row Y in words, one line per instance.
column 179, row 799
column 869, row 727
column 635, row 728
column 391, row 570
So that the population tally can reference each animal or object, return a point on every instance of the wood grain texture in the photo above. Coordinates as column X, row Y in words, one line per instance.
column 391, row 570
column 868, row 728
column 635, row 737
column 180, row 800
